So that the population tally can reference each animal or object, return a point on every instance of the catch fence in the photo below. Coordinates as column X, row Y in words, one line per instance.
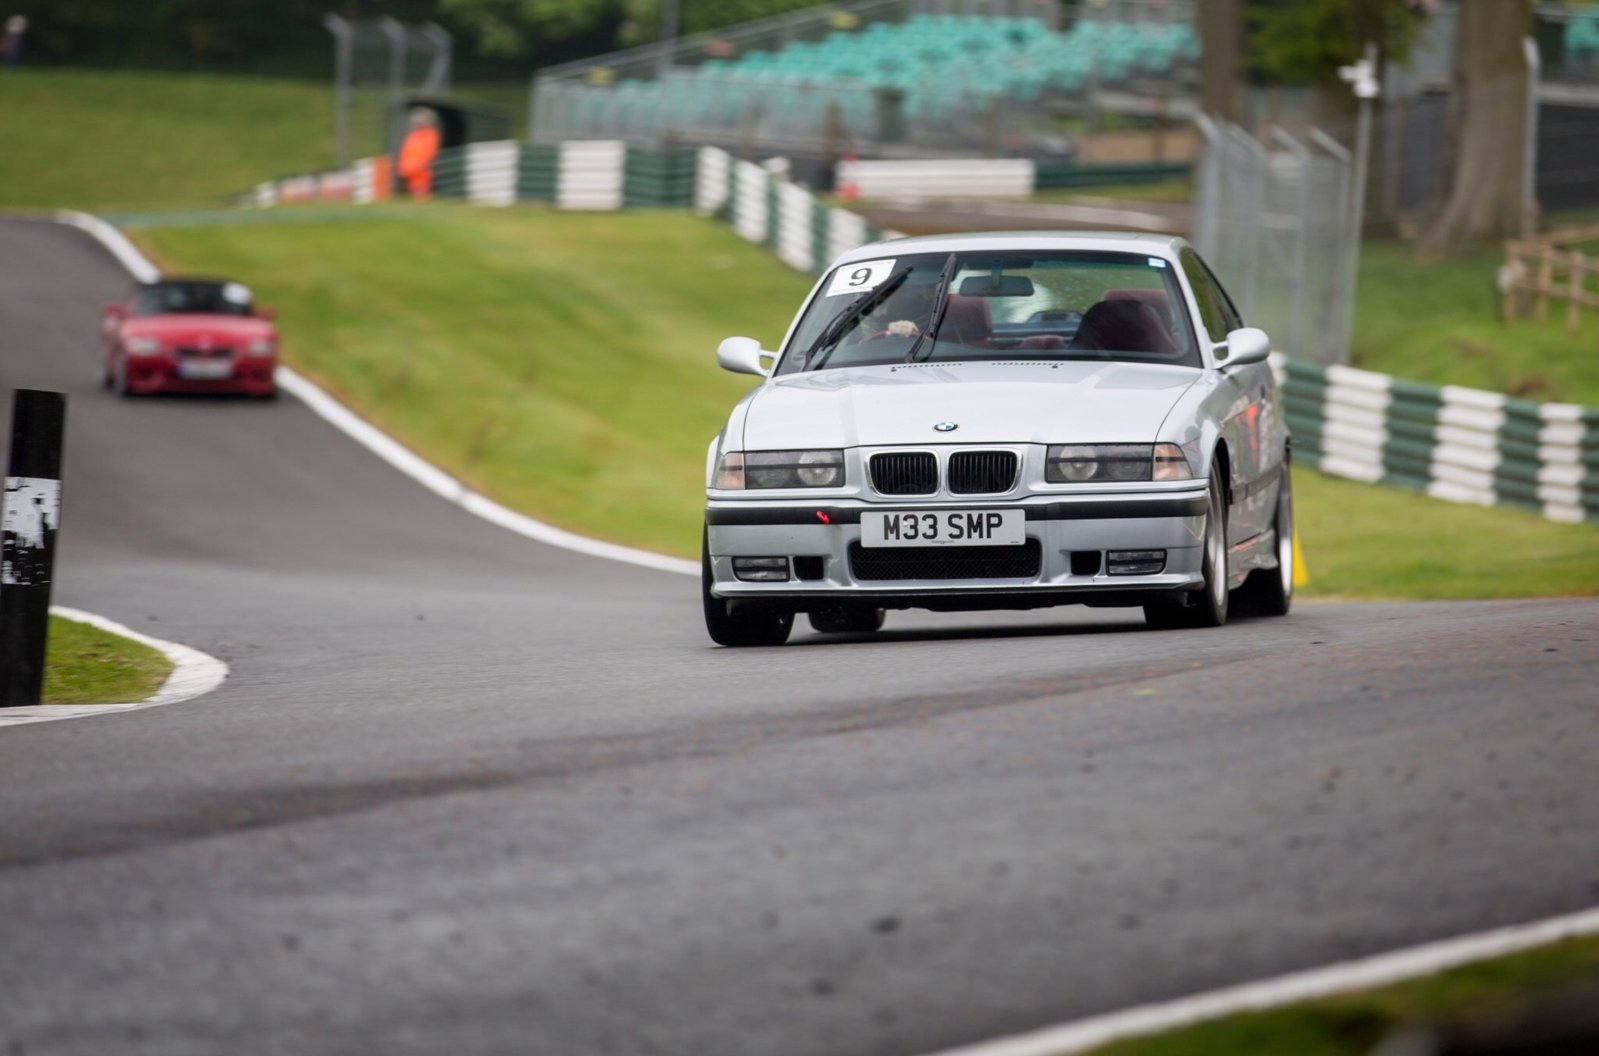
column 1275, row 220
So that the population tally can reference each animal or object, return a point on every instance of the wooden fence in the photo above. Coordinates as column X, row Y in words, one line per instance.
column 1549, row 267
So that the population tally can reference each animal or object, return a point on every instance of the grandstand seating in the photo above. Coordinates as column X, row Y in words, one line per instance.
column 1582, row 37
column 940, row 66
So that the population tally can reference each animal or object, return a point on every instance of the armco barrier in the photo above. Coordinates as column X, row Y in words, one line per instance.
column 1458, row 444
column 1464, row 445
column 588, row 174
column 990, row 177
column 764, row 207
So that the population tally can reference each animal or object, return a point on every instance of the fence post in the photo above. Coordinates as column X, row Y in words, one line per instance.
column 1574, row 291
column 1546, row 278
column 1507, row 283
column 30, row 518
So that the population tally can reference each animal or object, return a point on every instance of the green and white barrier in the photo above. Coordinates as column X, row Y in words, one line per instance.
column 989, row 177
column 763, row 206
column 491, row 173
column 587, row 174
column 1453, row 443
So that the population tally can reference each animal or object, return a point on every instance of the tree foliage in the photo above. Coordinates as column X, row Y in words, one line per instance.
column 286, row 37
column 1305, row 41
column 242, row 36
column 538, row 30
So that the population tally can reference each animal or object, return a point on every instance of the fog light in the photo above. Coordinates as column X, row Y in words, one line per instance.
column 1135, row 562
column 761, row 569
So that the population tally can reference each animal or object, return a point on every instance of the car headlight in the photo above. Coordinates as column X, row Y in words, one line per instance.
column 143, row 346
column 261, row 346
column 780, row 469
column 1077, row 463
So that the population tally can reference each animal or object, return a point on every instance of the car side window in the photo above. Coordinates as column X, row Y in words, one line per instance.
column 1215, row 309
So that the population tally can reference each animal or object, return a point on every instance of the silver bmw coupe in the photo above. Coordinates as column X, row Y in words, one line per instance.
column 1001, row 421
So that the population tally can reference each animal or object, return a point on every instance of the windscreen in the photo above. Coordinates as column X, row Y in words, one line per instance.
column 995, row 306
column 213, row 298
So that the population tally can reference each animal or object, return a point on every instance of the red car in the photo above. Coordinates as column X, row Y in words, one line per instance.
column 190, row 335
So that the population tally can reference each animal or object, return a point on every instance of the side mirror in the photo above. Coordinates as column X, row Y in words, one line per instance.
column 1247, row 345
column 114, row 311
column 742, row 355
column 265, row 311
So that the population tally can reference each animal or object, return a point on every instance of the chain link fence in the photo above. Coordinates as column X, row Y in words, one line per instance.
column 379, row 63
column 1274, row 218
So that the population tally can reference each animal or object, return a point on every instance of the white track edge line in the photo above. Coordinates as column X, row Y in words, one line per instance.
column 193, row 674
column 115, row 242
column 1362, row 973
column 451, row 490
column 386, row 447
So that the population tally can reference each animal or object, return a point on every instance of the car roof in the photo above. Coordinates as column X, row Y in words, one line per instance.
column 1111, row 241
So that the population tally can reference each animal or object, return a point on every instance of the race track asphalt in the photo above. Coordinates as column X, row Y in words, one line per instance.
column 467, row 794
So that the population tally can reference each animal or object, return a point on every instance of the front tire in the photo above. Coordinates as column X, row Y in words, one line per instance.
column 1207, row 606
column 767, row 627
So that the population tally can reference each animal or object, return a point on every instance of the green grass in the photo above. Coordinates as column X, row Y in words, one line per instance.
column 114, row 140
column 1359, row 541
column 563, row 363
column 1479, row 996
column 117, row 140
column 1438, row 322
column 85, row 665
column 1176, row 189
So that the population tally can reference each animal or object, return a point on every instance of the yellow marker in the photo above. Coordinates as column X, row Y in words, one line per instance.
column 1301, row 573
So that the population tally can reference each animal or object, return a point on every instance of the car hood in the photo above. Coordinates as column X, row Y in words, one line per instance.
column 1041, row 403
column 189, row 328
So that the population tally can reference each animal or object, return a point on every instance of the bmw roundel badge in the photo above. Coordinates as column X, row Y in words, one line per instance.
column 946, row 427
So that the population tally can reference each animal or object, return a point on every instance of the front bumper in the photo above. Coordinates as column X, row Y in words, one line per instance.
column 250, row 375
column 1072, row 535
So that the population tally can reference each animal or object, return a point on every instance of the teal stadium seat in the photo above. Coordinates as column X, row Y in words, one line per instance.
column 1581, row 38
column 941, row 63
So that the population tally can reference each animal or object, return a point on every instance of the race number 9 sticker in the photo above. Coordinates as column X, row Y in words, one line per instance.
column 858, row 278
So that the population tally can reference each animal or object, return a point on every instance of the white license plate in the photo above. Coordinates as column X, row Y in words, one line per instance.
column 205, row 369
column 944, row 528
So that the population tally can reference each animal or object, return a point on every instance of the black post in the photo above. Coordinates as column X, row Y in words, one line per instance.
column 30, row 519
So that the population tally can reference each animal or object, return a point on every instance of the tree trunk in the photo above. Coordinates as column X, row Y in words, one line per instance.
column 1221, row 59
column 1487, row 127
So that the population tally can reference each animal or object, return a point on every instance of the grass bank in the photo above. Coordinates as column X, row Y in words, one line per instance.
column 85, row 665
column 123, row 141
column 1439, row 322
column 563, row 363
column 108, row 140
column 1365, row 542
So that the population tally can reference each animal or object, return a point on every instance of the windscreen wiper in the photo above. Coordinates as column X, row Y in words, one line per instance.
column 940, row 302
column 860, row 306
